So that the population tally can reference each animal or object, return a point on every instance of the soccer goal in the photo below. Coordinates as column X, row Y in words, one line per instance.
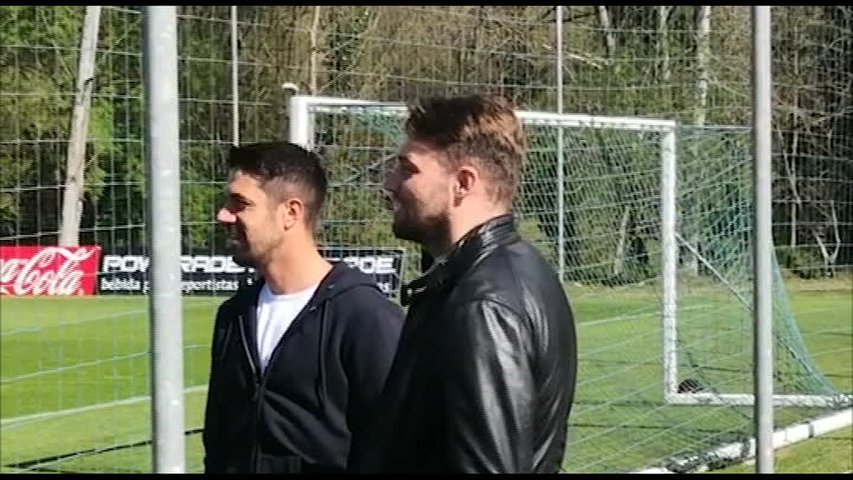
column 649, row 224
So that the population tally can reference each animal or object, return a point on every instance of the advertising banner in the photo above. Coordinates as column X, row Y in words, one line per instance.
column 218, row 274
column 48, row 270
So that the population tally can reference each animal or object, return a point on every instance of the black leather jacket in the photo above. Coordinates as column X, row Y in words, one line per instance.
column 484, row 376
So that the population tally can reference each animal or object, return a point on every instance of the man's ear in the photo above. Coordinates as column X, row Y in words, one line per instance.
column 292, row 211
column 465, row 182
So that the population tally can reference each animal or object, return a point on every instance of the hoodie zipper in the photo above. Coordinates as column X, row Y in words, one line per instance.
column 256, row 396
column 261, row 379
column 247, row 352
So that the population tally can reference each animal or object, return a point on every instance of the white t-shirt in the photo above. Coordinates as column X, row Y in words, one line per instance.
column 275, row 314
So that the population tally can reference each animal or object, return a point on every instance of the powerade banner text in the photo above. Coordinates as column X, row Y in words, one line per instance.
column 206, row 274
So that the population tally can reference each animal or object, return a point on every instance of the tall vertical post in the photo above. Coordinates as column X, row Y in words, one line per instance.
column 164, row 236
column 669, row 261
column 235, row 77
column 300, row 122
column 762, row 238
column 561, row 167
column 75, row 171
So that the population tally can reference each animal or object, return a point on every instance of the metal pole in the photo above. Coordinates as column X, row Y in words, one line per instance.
column 289, row 90
column 235, row 77
column 164, row 236
column 669, row 262
column 762, row 238
column 300, row 122
column 561, row 194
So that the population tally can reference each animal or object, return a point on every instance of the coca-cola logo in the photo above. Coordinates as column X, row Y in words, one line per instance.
column 48, row 270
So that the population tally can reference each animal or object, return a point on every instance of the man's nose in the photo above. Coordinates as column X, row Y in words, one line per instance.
column 225, row 216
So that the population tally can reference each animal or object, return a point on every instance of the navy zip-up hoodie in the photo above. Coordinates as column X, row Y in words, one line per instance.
column 301, row 414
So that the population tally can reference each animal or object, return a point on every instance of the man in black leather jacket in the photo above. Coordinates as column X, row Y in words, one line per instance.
column 484, row 375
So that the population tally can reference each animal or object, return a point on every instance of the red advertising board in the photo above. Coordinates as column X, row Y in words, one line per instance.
column 48, row 270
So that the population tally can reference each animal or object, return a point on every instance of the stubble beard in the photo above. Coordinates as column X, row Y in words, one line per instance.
column 428, row 231
column 244, row 259
column 245, row 256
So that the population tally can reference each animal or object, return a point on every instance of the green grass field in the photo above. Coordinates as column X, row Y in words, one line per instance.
column 75, row 380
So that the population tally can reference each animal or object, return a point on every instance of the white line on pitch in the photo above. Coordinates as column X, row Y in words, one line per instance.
column 25, row 419
column 642, row 314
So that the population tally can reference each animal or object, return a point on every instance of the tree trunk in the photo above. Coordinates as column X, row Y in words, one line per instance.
column 703, row 35
column 663, row 43
column 609, row 38
column 699, row 111
column 790, row 150
column 829, row 258
column 72, row 200
column 790, row 163
column 619, row 256
column 314, row 59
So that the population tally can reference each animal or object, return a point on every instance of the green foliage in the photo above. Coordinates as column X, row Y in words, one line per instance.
column 201, row 197
column 389, row 54
column 805, row 261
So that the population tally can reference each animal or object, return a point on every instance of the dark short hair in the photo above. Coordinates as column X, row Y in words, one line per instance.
column 281, row 166
column 480, row 128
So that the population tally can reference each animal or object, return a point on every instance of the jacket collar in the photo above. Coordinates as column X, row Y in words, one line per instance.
column 470, row 249
column 337, row 280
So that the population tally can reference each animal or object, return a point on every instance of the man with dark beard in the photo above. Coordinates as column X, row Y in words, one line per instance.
column 484, row 375
column 300, row 356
